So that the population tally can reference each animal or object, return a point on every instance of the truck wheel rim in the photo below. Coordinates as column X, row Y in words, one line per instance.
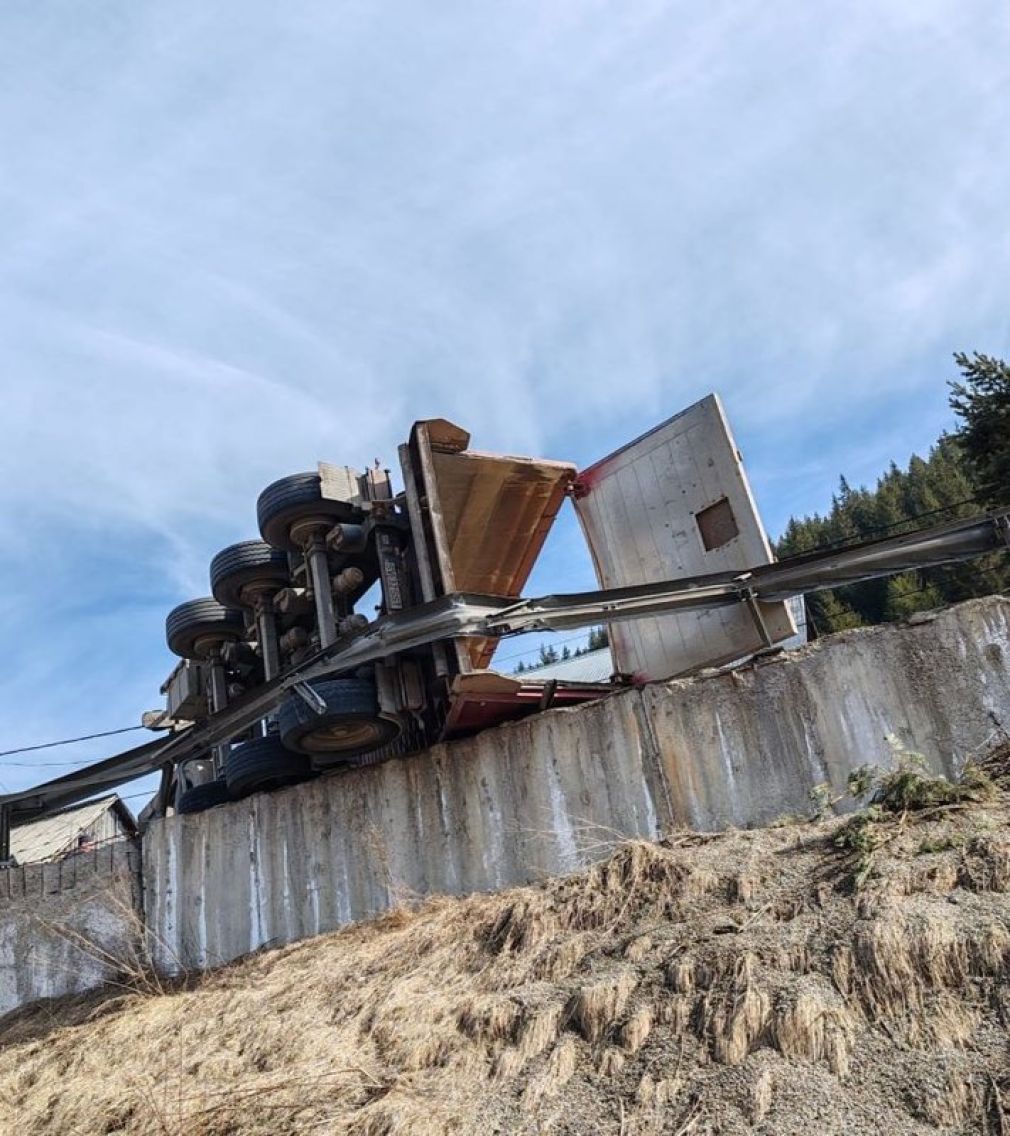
column 342, row 734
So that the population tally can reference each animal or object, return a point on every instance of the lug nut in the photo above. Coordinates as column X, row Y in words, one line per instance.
column 294, row 639
column 346, row 581
column 347, row 538
column 293, row 601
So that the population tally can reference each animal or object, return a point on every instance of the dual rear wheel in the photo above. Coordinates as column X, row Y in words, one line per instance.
column 350, row 725
column 306, row 742
column 295, row 501
column 240, row 569
column 262, row 765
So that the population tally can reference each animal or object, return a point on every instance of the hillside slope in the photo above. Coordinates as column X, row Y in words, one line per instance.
column 767, row 982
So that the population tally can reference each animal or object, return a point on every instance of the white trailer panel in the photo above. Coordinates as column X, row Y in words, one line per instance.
column 676, row 503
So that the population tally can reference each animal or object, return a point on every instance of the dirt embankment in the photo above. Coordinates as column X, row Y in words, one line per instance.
column 832, row 977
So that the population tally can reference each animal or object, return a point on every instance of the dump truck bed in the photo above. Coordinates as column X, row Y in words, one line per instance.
column 486, row 518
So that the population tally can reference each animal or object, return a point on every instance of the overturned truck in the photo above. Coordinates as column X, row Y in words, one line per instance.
column 675, row 501
column 362, row 624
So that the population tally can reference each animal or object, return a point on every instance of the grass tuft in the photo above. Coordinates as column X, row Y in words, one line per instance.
column 907, row 789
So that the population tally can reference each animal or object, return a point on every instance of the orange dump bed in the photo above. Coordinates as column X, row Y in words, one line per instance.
column 490, row 515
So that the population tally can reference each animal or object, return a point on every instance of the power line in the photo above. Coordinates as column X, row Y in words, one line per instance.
column 135, row 796
column 49, row 764
column 70, row 741
column 535, row 650
column 858, row 537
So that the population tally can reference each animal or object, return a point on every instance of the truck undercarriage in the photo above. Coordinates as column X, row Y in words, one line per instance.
column 283, row 676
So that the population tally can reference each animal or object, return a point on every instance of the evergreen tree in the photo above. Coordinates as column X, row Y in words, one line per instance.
column 930, row 490
column 826, row 613
column 982, row 402
column 907, row 593
column 598, row 638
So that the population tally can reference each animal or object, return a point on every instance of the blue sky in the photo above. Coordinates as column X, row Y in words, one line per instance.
column 241, row 236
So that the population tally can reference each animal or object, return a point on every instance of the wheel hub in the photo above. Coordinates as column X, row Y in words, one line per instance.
column 341, row 735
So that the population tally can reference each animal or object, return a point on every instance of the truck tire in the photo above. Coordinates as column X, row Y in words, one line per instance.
column 249, row 562
column 351, row 724
column 297, row 498
column 197, row 619
column 201, row 797
column 363, row 760
column 263, row 764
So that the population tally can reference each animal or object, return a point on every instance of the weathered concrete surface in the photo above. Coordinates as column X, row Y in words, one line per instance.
column 513, row 804
column 548, row 794
column 745, row 747
column 68, row 927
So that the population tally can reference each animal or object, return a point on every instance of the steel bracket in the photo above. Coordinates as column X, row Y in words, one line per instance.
column 757, row 615
column 312, row 698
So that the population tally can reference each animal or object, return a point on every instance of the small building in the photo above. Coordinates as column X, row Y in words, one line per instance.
column 81, row 828
column 590, row 666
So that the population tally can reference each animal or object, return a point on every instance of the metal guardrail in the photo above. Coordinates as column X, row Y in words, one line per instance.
column 496, row 617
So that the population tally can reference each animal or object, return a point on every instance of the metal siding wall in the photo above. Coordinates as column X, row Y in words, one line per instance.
column 638, row 509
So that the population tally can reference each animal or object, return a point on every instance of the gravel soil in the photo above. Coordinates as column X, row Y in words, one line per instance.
column 766, row 981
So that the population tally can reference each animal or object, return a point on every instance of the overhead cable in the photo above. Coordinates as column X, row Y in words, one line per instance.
column 70, row 741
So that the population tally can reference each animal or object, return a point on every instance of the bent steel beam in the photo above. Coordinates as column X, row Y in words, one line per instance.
column 461, row 615
column 811, row 572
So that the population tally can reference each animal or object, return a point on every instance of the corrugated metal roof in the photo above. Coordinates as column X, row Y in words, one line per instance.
column 49, row 838
column 594, row 666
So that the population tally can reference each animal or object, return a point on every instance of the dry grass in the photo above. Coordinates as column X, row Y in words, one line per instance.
column 702, row 985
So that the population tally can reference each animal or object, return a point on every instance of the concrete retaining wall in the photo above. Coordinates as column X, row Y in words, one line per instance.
column 70, row 926
column 546, row 795
column 743, row 748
